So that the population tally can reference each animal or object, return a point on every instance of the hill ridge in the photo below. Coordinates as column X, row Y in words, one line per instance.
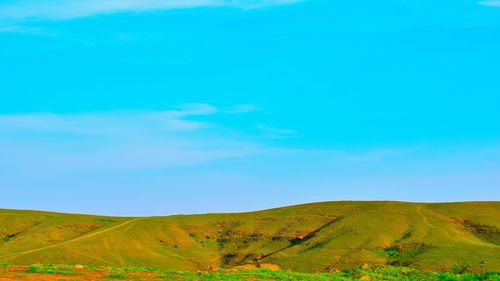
column 251, row 211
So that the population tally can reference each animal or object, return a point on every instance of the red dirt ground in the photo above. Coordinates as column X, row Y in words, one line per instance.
column 20, row 273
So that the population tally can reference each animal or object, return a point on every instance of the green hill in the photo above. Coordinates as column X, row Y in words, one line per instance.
column 311, row 237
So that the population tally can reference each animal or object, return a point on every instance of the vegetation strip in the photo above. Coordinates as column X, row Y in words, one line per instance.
column 78, row 272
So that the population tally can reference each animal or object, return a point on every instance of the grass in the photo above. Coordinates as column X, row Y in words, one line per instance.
column 375, row 273
column 458, row 237
column 52, row 269
column 118, row 276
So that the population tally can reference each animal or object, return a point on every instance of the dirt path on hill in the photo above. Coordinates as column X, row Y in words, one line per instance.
column 86, row 236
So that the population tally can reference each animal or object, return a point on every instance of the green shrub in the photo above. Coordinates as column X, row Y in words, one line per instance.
column 51, row 269
column 119, row 276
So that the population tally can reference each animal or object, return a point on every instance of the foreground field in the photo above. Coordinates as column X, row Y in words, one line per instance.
column 94, row 273
column 320, row 237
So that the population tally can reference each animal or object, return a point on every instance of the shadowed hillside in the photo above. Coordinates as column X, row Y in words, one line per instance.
column 319, row 236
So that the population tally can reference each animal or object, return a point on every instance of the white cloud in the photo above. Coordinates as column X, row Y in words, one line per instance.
column 111, row 122
column 493, row 3
column 277, row 133
column 242, row 108
column 70, row 9
column 375, row 155
column 21, row 29
column 116, row 140
column 48, row 143
column 347, row 156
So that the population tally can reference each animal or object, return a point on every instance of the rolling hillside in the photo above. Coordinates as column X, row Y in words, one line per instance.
column 311, row 237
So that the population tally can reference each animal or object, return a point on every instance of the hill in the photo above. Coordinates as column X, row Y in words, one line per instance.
column 311, row 237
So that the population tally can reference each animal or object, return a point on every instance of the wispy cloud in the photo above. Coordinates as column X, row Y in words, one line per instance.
column 494, row 3
column 49, row 143
column 277, row 133
column 117, row 140
column 375, row 155
column 71, row 9
column 111, row 122
column 345, row 156
column 22, row 29
column 242, row 108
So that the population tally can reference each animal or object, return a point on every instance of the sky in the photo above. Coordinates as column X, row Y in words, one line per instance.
column 158, row 107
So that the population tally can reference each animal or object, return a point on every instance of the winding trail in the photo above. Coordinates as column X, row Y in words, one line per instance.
column 424, row 218
column 83, row 237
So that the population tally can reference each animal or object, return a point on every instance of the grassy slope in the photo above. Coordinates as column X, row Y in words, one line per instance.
column 319, row 236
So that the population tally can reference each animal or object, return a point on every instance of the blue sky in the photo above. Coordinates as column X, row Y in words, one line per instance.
column 149, row 107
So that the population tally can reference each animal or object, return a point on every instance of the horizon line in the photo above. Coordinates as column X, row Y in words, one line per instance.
column 250, row 211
